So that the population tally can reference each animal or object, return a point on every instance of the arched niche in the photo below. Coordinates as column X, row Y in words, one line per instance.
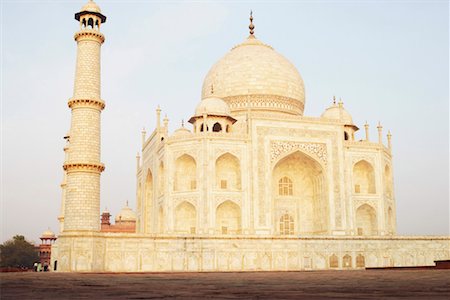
column 391, row 220
column 228, row 218
column 366, row 220
column 185, row 174
column 388, row 181
column 160, row 220
column 228, row 172
column 334, row 261
column 161, row 178
column 347, row 261
column 299, row 185
column 185, row 218
column 360, row 261
column 363, row 178
column 148, row 200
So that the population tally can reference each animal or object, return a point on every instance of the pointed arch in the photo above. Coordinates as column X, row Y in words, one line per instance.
column 185, row 174
column 228, row 218
column 347, row 261
column 360, row 261
column 366, row 220
column 364, row 178
column 228, row 172
column 185, row 218
column 302, row 178
column 334, row 261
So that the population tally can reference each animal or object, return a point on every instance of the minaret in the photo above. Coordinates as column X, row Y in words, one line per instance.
column 83, row 166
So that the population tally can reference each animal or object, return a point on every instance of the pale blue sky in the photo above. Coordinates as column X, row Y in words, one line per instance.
column 388, row 60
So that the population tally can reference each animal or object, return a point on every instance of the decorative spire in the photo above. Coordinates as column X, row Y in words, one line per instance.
column 182, row 123
column 341, row 104
column 127, row 203
column 212, row 89
column 251, row 26
column 334, row 99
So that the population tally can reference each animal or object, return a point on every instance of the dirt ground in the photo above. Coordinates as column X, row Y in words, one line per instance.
column 362, row 284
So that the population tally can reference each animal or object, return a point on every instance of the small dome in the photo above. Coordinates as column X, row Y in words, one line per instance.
column 48, row 234
column 337, row 112
column 126, row 215
column 91, row 6
column 213, row 106
column 182, row 131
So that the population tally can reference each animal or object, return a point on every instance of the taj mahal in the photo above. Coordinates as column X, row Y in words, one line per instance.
column 250, row 185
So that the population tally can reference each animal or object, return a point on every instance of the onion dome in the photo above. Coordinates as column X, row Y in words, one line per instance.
column 126, row 215
column 338, row 112
column 254, row 76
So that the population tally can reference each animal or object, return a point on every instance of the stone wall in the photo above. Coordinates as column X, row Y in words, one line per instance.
column 108, row 252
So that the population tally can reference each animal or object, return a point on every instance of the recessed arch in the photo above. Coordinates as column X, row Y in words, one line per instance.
column 307, row 199
column 391, row 220
column 185, row 173
column 161, row 178
column 364, row 178
column 366, row 220
column 388, row 181
column 228, row 172
column 228, row 218
column 148, row 201
column 360, row 261
column 347, row 261
column 334, row 261
column 90, row 23
column 185, row 218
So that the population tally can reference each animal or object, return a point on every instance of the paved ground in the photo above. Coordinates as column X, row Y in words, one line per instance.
column 363, row 284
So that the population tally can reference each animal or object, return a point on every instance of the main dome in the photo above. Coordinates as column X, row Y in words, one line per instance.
column 253, row 75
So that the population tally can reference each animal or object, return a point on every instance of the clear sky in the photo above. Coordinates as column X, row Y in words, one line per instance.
column 388, row 60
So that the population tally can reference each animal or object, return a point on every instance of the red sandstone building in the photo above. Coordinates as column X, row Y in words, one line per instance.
column 125, row 221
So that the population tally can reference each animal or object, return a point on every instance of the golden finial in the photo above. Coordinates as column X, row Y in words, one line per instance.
column 251, row 26
column 334, row 99
column 182, row 123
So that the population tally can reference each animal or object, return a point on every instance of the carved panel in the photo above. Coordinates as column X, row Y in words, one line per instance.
column 317, row 150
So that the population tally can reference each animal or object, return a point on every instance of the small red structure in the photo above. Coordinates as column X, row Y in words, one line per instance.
column 125, row 221
column 45, row 248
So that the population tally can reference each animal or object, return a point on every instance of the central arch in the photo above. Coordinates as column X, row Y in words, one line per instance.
column 299, row 189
